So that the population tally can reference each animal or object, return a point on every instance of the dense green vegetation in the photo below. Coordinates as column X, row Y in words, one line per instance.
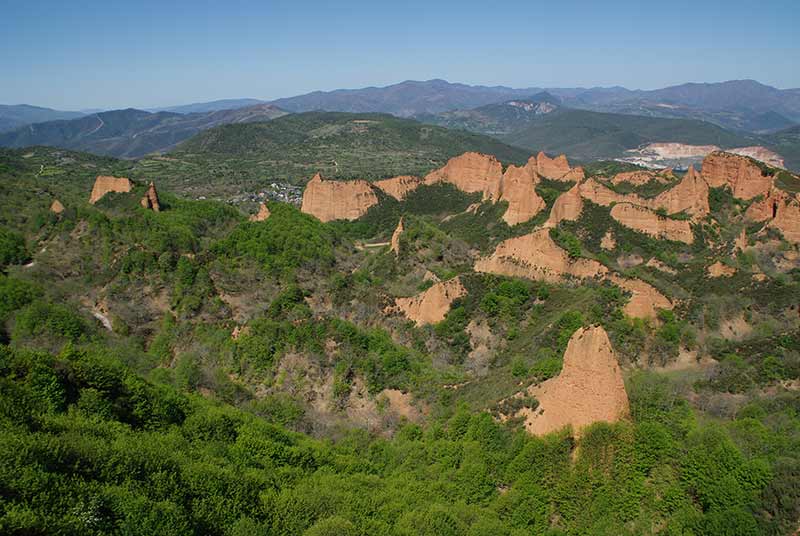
column 246, row 384
column 89, row 447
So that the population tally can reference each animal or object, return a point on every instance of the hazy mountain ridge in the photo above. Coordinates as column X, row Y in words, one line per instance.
column 736, row 104
column 130, row 133
column 17, row 115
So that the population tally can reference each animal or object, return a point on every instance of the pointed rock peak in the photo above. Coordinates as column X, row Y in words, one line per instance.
column 589, row 388
column 150, row 199
column 395, row 243
column 56, row 207
column 262, row 214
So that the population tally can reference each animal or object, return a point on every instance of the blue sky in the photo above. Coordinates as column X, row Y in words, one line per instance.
column 111, row 54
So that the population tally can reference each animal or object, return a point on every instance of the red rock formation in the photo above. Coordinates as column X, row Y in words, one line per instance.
column 105, row 184
column 779, row 210
column 150, row 199
column 638, row 178
column 398, row 187
column 589, row 389
column 471, row 172
column 395, row 243
column 475, row 172
column 690, row 195
column 600, row 194
column 720, row 270
column 536, row 256
column 645, row 298
column 263, row 213
column 557, row 168
column 56, row 207
column 608, row 242
column 518, row 188
column 337, row 200
column 739, row 173
column 432, row 305
column 568, row 206
column 648, row 222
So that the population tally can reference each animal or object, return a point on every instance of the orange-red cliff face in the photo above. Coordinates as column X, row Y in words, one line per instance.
column 337, row 200
column 646, row 221
column 536, row 256
column 557, row 168
column 778, row 210
column 398, row 187
column 739, row 173
column 475, row 172
column 518, row 188
column 105, row 184
column 589, row 388
column 471, row 172
column 432, row 305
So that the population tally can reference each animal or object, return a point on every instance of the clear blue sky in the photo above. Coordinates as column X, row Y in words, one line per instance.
column 111, row 54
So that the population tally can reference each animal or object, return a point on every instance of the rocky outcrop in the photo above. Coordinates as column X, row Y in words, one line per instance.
column 645, row 300
column 557, row 168
column 518, row 188
column 639, row 178
column 740, row 243
column 589, row 389
column 779, row 210
column 600, row 194
column 720, row 270
column 432, row 305
column 398, row 187
column 739, row 173
column 476, row 172
column 690, row 195
column 337, row 200
column 787, row 220
column 104, row 184
column 648, row 222
column 56, row 207
column 395, row 242
column 471, row 172
column 262, row 214
column 608, row 242
column 568, row 206
column 536, row 256
column 150, row 199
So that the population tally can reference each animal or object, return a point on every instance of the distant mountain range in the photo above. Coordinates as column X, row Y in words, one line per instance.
column 738, row 104
column 211, row 106
column 18, row 115
column 583, row 123
column 131, row 133
column 541, row 123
